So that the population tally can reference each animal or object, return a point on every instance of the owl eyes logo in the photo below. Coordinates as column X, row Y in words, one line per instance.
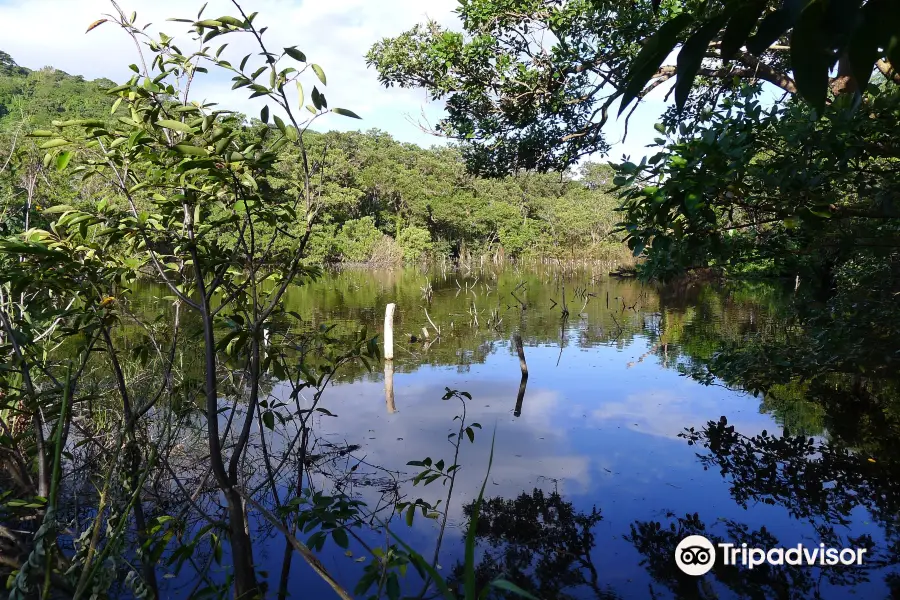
column 695, row 555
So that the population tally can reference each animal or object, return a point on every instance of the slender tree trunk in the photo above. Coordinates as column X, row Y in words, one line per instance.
column 245, row 585
column 133, row 456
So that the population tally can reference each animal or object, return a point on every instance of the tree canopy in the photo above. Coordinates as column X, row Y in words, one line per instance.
column 529, row 84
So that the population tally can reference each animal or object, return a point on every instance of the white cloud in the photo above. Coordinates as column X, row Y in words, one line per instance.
column 335, row 34
column 664, row 412
column 532, row 451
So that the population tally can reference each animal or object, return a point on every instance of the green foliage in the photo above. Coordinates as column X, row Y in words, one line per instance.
column 415, row 241
column 357, row 239
column 368, row 185
column 517, row 100
column 47, row 94
column 508, row 88
column 732, row 189
column 818, row 34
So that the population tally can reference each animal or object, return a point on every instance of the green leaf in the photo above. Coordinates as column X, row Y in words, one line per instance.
column 264, row 114
column 59, row 208
column 656, row 48
column 810, row 55
column 41, row 133
column 268, row 418
column 393, row 587
column 279, row 123
column 873, row 32
column 690, row 57
column 299, row 93
column 772, row 27
column 217, row 550
column 340, row 538
column 317, row 98
column 507, row 586
column 231, row 21
column 191, row 150
column 410, row 515
column 422, row 565
column 53, row 144
column 63, row 160
column 739, row 27
column 319, row 73
column 174, row 125
column 346, row 113
column 295, row 54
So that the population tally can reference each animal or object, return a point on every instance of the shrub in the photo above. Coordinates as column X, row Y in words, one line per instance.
column 415, row 242
column 386, row 253
column 357, row 239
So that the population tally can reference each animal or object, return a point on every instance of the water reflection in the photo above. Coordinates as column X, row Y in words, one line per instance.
column 596, row 474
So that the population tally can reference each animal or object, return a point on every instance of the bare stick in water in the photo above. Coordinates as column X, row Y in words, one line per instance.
column 521, row 350
column 520, row 398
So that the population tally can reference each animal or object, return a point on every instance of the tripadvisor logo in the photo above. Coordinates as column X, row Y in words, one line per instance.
column 696, row 555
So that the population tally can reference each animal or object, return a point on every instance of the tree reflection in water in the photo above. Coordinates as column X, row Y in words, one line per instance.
column 818, row 482
column 541, row 543
column 546, row 546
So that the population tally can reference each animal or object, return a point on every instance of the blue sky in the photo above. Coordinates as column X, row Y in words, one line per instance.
column 333, row 33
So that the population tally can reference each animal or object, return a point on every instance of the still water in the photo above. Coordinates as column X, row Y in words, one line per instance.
column 594, row 478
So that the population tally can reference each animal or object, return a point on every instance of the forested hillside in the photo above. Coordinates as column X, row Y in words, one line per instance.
column 381, row 201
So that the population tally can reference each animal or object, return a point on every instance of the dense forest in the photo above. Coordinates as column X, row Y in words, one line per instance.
column 382, row 202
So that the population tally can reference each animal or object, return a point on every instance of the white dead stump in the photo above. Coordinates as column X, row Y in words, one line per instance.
column 389, row 331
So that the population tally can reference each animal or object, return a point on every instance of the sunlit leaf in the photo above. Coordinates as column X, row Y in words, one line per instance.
column 54, row 144
column 190, row 150
column 175, row 125
column 63, row 160
column 319, row 73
